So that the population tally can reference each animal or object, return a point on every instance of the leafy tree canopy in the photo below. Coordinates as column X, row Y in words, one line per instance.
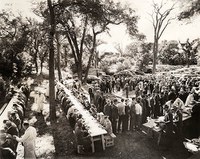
column 193, row 8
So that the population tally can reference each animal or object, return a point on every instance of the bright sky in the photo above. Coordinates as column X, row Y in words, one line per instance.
column 176, row 31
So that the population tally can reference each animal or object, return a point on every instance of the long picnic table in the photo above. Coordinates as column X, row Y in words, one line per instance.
column 95, row 129
column 5, row 109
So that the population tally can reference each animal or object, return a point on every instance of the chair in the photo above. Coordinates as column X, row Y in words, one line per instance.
column 109, row 140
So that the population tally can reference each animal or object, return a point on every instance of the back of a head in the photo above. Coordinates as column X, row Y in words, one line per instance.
column 79, row 123
column 122, row 100
column 138, row 100
column 8, row 123
column 115, row 100
column 26, row 124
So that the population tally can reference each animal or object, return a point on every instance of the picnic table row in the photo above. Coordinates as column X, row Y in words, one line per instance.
column 95, row 129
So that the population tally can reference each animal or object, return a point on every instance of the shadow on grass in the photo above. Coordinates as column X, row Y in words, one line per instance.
column 41, row 125
column 64, row 140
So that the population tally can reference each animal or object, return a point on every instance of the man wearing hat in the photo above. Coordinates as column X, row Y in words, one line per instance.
column 28, row 140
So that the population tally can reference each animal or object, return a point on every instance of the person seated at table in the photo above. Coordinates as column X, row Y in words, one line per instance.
column 84, row 99
column 15, row 119
column 99, row 117
column 78, row 119
column 82, row 138
column 93, row 110
column 71, row 116
column 107, row 124
column 87, row 105
column 11, row 128
column 6, row 146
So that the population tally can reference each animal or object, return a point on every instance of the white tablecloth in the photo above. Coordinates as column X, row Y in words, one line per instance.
column 94, row 127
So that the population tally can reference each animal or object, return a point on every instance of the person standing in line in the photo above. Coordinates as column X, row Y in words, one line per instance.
column 113, row 84
column 132, row 115
column 137, row 90
column 121, row 112
column 114, row 116
column 126, row 88
column 91, row 93
column 28, row 140
column 108, row 109
column 127, row 115
column 138, row 112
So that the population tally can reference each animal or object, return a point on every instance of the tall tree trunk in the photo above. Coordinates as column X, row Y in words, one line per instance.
column 51, row 64
column 79, row 70
column 188, row 61
column 96, row 63
column 41, row 67
column 58, row 56
column 155, row 53
column 90, row 58
column 154, row 59
column 35, row 62
column 65, row 56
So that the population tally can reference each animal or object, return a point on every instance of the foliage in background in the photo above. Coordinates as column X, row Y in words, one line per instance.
column 13, row 39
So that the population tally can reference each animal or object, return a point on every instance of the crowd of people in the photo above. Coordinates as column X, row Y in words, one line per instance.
column 14, row 125
column 151, row 97
column 154, row 96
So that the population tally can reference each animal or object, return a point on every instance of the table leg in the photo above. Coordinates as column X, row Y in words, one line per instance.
column 159, row 138
column 103, row 142
column 93, row 150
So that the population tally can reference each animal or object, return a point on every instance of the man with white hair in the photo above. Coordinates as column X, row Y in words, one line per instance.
column 28, row 140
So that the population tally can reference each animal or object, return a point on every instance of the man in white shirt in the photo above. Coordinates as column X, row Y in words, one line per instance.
column 138, row 112
column 121, row 112
column 39, row 100
column 28, row 140
column 190, row 98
